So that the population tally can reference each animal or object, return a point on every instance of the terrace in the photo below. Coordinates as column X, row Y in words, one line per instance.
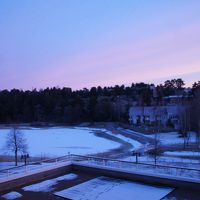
column 97, row 170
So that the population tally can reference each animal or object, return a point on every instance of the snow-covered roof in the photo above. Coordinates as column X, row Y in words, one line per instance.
column 156, row 110
column 173, row 97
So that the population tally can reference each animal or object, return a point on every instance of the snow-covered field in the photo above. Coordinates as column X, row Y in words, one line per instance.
column 61, row 141
column 104, row 188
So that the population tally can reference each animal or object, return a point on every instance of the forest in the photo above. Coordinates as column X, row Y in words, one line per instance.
column 63, row 105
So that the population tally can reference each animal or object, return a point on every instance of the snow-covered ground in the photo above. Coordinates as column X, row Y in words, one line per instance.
column 44, row 186
column 5, row 165
column 11, row 195
column 104, row 188
column 47, row 186
column 134, row 143
column 173, row 138
column 167, row 138
column 182, row 153
column 61, row 141
column 21, row 171
column 166, row 160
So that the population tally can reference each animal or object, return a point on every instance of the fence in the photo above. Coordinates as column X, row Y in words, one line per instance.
column 174, row 171
column 34, row 167
column 98, row 161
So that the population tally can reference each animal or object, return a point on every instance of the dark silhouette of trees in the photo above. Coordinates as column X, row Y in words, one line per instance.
column 172, row 86
column 62, row 105
column 196, row 86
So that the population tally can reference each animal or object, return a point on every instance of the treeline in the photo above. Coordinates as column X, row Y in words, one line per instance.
column 62, row 105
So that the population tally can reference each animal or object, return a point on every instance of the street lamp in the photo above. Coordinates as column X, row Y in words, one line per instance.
column 136, row 154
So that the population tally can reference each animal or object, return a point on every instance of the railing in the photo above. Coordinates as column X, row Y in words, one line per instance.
column 146, row 168
column 33, row 167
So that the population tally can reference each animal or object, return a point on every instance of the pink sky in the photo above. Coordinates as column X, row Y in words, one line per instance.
column 165, row 56
column 105, row 43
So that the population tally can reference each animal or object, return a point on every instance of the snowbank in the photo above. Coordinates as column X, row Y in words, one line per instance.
column 11, row 195
column 46, row 186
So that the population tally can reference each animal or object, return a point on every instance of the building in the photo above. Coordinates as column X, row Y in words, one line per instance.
column 177, row 100
column 168, row 114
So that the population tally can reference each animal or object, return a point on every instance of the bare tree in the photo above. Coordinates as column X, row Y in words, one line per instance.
column 195, row 113
column 16, row 142
column 185, row 124
column 157, row 127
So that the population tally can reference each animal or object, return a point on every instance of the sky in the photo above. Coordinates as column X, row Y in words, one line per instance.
column 85, row 43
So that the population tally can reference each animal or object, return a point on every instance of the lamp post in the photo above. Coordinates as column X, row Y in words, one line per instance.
column 25, row 157
column 136, row 154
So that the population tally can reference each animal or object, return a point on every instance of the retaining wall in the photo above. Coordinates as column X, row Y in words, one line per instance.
column 160, row 180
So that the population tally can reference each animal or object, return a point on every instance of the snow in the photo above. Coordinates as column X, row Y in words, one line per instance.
column 5, row 165
column 165, row 160
column 60, row 141
column 11, row 195
column 82, row 141
column 23, row 171
column 182, row 153
column 167, row 138
column 104, row 188
column 47, row 186
column 145, row 169
column 134, row 132
column 173, row 138
column 161, row 159
column 134, row 143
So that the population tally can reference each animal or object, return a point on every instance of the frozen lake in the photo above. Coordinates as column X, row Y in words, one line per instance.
column 59, row 141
